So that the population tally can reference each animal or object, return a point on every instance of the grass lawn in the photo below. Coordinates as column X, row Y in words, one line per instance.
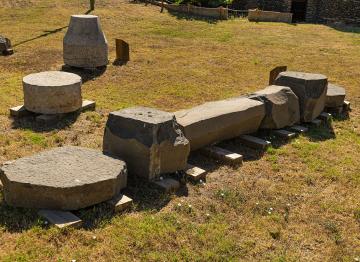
column 298, row 202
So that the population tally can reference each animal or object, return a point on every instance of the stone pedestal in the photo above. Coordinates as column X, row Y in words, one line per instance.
column 311, row 90
column 52, row 92
column 148, row 140
column 66, row 178
column 85, row 44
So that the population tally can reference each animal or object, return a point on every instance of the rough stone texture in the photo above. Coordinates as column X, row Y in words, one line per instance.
column 311, row 90
column 335, row 96
column 149, row 140
column 52, row 92
column 5, row 45
column 85, row 44
column 65, row 178
column 217, row 121
column 282, row 106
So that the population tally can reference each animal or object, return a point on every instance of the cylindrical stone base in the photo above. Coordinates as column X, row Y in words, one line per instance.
column 52, row 92
column 85, row 44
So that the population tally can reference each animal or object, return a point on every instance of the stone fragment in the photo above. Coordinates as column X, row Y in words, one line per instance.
column 220, row 120
column 326, row 117
column 88, row 105
column 61, row 219
column 254, row 142
column 149, row 140
column 282, row 106
column 222, row 154
column 316, row 122
column 122, row 51
column 284, row 134
column 5, row 46
column 85, row 44
column 167, row 185
column 195, row 173
column 65, row 178
column 346, row 106
column 19, row 111
column 275, row 72
column 299, row 129
column 120, row 202
column 335, row 96
column 311, row 90
column 52, row 92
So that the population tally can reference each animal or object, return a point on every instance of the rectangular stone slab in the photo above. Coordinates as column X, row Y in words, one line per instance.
column 223, row 155
column 316, row 122
column 167, row 185
column 19, row 111
column 88, row 105
column 195, row 173
column 284, row 134
column 61, row 219
column 325, row 116
column 220, row 120
column 254, row 142
column 120, row 202
column 346, row 105
column 299, row 129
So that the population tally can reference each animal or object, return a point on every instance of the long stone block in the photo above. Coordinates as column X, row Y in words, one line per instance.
column 311, row 90
column 61, row 219
column 223, row 155
column 148, row 140
column 217, row 121
column 254, row 142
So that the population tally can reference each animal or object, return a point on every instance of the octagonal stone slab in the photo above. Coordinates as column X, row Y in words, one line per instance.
column 65, row 178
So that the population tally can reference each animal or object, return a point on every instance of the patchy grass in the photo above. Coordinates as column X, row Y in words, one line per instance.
column 299, row 202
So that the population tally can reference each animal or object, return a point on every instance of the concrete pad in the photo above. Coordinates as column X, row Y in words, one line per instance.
column 311, row 89
column 335, row 96
column 284, row 133
column 88, row 105
column 64, row 178
column 222, row 155
column 299, row 129
column 220, row 120
column 195, row 173
column 61, row 219
column 167, row 185
column 120, row 202
column 148, row 140
column 254, row 142
column 19, row 111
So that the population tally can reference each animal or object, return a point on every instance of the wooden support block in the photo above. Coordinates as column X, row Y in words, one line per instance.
column 316, row 122
column 61, row 219
column 254, row 142
column 299, row 129
column 120, row 202
column 284, row 133
column 325, row 116
column 346, row 106
column 167, row 185
column 195, row 173
column 222, row 155
column 88, row 105
column 19, row 111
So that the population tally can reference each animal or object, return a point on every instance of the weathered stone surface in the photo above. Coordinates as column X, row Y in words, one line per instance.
column 5, row 45
column 311, row 90
column 65, row 178
column 85, row 44
column 335, row 96
column 282, row 106
column 149, row 140
column 216, row 121
column 275, row 72
column 52, row 92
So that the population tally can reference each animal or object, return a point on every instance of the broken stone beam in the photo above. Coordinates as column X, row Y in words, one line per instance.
column 222, row 155
column 284, row 134
column 167, row 185
column 61, row 219
column 316, row 122
column 120, row 203
column 299, row 129
column 88, row 105
column 282, row 106
column 19, row 111
column 148, row 140
column 213, row 122
column 254, row 142
column 195, row 173
column 325, row 116
column 311, row 89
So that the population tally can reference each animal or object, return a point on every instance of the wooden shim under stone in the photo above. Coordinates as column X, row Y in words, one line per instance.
column 223, row 155
column 325, row 116
column 299, row 129
column 120, row 203
column 284, row 133
column 61, row 219
column 275, row 72
column 167, row 185
column 195, row 173
column 254, row 142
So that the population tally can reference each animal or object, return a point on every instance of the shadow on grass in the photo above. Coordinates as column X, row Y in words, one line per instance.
column 86, row 74
column 30, row 123
column 345, row 28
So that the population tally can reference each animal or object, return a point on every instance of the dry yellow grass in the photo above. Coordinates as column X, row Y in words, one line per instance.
column 312, row 184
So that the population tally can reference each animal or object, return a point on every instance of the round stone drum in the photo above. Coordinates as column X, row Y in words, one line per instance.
column 52, row 92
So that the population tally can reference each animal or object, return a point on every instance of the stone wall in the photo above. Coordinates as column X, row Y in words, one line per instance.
column 269, row 16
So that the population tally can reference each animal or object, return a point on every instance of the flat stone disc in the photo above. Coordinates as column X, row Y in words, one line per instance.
column 66, row 178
